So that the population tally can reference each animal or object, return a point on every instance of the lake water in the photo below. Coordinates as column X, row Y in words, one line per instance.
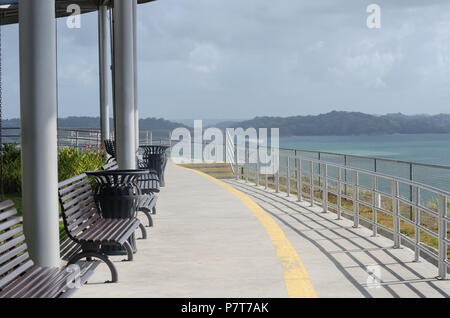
column 423, row 148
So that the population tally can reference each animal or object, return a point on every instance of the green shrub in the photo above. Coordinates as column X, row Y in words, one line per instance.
column 70, row 163
column 11, row 169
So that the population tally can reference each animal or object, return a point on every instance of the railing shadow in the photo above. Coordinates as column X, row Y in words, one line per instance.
column 303, row 224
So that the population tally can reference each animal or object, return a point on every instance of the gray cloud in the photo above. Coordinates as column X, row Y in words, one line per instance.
column 238, row 59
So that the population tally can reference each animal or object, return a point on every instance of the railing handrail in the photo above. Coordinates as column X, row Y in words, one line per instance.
column 373, row 173
column 366, row 157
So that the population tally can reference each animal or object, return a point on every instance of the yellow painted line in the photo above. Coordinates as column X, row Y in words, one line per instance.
column 225, row 169
column 298, row 283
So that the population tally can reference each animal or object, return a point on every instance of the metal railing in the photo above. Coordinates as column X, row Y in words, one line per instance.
column 432, row 174
column 89, row 138
column 317, row 181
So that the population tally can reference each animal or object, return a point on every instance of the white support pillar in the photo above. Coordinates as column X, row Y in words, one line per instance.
column 124, row 84
column 38, row 108
column 103, row 71
column 135, row 69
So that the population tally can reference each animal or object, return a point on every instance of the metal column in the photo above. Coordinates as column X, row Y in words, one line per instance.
column 124, row 84
column 103, row 71
column 135, row 69
column 38, row 108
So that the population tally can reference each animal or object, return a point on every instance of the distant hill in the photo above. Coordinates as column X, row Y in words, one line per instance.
column 338, row 123
column 335, row 123
column 94, row 122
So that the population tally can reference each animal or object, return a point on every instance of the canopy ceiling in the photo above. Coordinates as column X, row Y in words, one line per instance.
column 9, row 8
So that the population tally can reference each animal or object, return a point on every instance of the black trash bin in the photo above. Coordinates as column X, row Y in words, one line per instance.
column 155, row 158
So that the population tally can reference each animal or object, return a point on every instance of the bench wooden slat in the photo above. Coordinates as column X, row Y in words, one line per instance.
column 67, row 213
column 6, row 205
column 15, row 273
column 13, row 252
column 32, row 288
column 78, row 184
column 97, row 228
column 7, row 214
column 57, row 285
column 84, row 226
column 10, row 233
column 12, row 243
column 86, row 197
column 71, row 180
column 9, row 223
column 19, row 283
column 79, row 190
column 76, row 215
column 130, row 231
column 87, row 269
column 13, row 263
column 115, row 231
column 85, row 217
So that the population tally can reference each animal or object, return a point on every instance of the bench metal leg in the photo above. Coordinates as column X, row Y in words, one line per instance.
column 129, row 250
column 89, row 255
column 154, row 210
column 149, row 218
column 143, row 231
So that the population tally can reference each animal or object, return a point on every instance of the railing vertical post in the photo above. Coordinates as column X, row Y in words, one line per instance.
column 299, row 179
column 151, row 137
column 325, row 188
column 257, row 173
column 236, row 170
column 417, row 222
column 76, row 140
column 442, row 232
column 396, row 211
column 265, row 170
column 339, row 195
column 375, row 206
column 345, row 175
column 311, row 183
column 410, row 191
column 319, row 166
column 277, row 182
column 355, row 200
column 288, row 177
column 247, row 165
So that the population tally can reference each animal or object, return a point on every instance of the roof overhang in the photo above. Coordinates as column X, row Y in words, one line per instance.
column 9, row 12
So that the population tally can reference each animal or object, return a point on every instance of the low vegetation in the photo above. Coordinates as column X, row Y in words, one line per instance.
column 71, row 162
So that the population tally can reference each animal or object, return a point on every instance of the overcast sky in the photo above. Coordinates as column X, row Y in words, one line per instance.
column 235, row 59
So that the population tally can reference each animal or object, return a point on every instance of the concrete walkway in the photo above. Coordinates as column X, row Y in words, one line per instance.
column 339, row 257
column 205, row 243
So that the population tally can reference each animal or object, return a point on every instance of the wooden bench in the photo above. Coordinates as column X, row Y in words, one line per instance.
column 19, row 277
column 85, row 225
column 149, row 182
column 149, row 185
